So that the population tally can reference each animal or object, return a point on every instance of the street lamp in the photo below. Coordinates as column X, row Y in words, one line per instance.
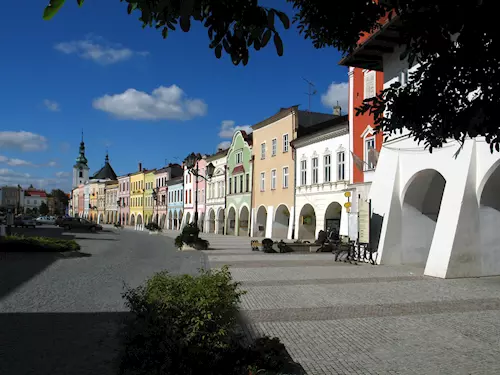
column 191, row 163
column 155, row 198
column 118, row 204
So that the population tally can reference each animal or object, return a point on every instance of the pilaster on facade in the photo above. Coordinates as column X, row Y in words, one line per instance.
column 216, row 193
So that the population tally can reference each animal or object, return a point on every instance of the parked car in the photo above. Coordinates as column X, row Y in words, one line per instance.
column 79, row 223
column 59, row 220
column 24, row 222
column 45, row 220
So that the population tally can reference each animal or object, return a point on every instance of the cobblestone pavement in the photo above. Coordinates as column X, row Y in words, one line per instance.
column 60, row 316
column 337, row 318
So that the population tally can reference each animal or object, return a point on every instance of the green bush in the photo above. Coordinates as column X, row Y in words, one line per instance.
column 181, row 324
column 201, row 244
column 189, row 236
column 267, row 245
column 37, row 244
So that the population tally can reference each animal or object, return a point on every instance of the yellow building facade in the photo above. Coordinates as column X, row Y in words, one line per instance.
column 137, row 186
column 149, row 185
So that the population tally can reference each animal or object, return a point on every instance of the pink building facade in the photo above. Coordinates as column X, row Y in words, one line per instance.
column 191, row 187
column 124, row 198
column 162, row 176
column 81, row 200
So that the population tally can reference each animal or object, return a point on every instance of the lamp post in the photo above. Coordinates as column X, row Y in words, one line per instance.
column 191, row 162
column 118, row 204
column 155, row 198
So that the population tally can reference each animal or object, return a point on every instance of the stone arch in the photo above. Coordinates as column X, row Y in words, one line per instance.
column 163, row 220
column 421, row 204
column 243, row 221
column 489, row 217
column 139, row 219
column 170, row 220
column 220, row 221
column 100, row 218
column 260, row 222
column 231, row 221
column 333, row 216
column 211, row 221
column 281, row 222
column 188, row 218
column 307, row 223
column 175, row 221
column 132, row 219
column 127, row 220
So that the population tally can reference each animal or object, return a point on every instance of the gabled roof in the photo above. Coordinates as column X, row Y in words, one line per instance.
column 105, row 173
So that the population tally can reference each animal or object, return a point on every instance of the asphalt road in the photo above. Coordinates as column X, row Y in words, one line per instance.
column 60, row 315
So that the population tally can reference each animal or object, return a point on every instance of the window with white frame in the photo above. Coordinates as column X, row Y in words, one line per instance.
column 369, row 145
column 239, row 157
column 286, row 143
column 303, row 172
column 341, row 166
column 262, row 181
column 263, row 150
column 274, row 146
column 327, row 162
column 315, row 174
column 370, row 85
column 285, row 177
column 273, row 179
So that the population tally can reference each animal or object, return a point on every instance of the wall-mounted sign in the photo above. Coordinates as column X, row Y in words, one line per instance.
column 364, row 221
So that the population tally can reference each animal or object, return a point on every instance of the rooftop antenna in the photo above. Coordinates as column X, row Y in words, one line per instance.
column 310, row 92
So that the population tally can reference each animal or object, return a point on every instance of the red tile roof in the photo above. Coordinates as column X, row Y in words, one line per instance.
column 238, row 169
column 36, row 193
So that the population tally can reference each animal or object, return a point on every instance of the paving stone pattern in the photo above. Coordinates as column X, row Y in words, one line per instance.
column 337, row 318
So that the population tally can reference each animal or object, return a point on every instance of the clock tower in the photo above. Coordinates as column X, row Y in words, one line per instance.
column 81, row 168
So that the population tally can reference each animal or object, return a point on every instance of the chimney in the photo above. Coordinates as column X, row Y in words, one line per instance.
column 337, row 110
column 140, row 167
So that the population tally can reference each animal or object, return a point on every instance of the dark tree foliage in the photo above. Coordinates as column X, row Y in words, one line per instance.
column 455, row 43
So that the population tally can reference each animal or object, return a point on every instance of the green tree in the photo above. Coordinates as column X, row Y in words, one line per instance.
column 455, row 43
column 60, row 197
column 44, row 209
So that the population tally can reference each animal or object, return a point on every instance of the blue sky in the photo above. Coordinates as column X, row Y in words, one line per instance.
column 143, row 98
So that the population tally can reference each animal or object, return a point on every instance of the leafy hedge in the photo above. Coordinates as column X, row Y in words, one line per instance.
column 190, row 236
column 36, row 244
column 153, row 227
column 188, row 325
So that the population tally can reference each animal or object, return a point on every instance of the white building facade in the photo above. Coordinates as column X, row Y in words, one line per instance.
column 322, row 177
column 216, row 194
column 86, row 200
column 434, row 210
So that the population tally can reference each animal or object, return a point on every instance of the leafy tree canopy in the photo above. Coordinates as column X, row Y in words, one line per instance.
column 60, row 196
column 44, row 209
column 455, row 42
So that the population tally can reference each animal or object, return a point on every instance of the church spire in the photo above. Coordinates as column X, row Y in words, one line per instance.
column 106, row 159
column 81, row 159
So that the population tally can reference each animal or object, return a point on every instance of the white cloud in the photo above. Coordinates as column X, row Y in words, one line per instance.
column 98, row 50
column 170, row 103
column 13, row 162
column 62, row 174
column 23, row 141
column 227, row 128
column 223, row 145
column 10, row 177
column 337, row 92
column 52, row 163
column 51, row 105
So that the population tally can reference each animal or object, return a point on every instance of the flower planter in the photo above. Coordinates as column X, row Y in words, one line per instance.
column 156, row 232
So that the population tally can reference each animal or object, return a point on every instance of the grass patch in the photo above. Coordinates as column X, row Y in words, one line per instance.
column 36, row 244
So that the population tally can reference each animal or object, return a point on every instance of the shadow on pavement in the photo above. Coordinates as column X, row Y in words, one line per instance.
column 95, row 239
column 18, row 268
column 60, row 343
column 52, row 232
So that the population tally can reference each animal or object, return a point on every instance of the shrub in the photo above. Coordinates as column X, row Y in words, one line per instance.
column 37, row 244
column 181, row 324
column 283, row 247
column 189, row 236
column 201, row 244
column 267, row 245
column 153, row 227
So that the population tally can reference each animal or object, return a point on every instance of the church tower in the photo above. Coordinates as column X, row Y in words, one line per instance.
column 81, row 168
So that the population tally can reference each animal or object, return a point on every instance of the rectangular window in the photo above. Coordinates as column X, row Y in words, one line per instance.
column 273, row 179
column 327, row 160
column 247, row 183
column 230, row 181
column 369, row 148
column 234, row 187
column 341, row 166
column 370, row 88
column 274, row 147
column 262, row 150
column 241, row 184
column 286, row 143
column 315, row 170
column 262, row 181
column 303, row 172
column 239, row 157
column 285, row 177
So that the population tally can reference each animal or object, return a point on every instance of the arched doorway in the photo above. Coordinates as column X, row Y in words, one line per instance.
column 261, row 222
column 281, row 222
column 332, row 217
column 188, row 218
column 127, row 220
column 244, row 218
column 179, row 220
column 162, row 220
column 220, row 221
column 231, row 222
column 201, row 221
column 139, row 219
column 101, row 218
column 175, row 219
column 307, row 223
column 132, row 219
column 420, row 212
column 489, row 217
column 211, row 221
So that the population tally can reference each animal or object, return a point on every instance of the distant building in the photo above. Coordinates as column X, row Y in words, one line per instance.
column 11, row 197
column 33, row 199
